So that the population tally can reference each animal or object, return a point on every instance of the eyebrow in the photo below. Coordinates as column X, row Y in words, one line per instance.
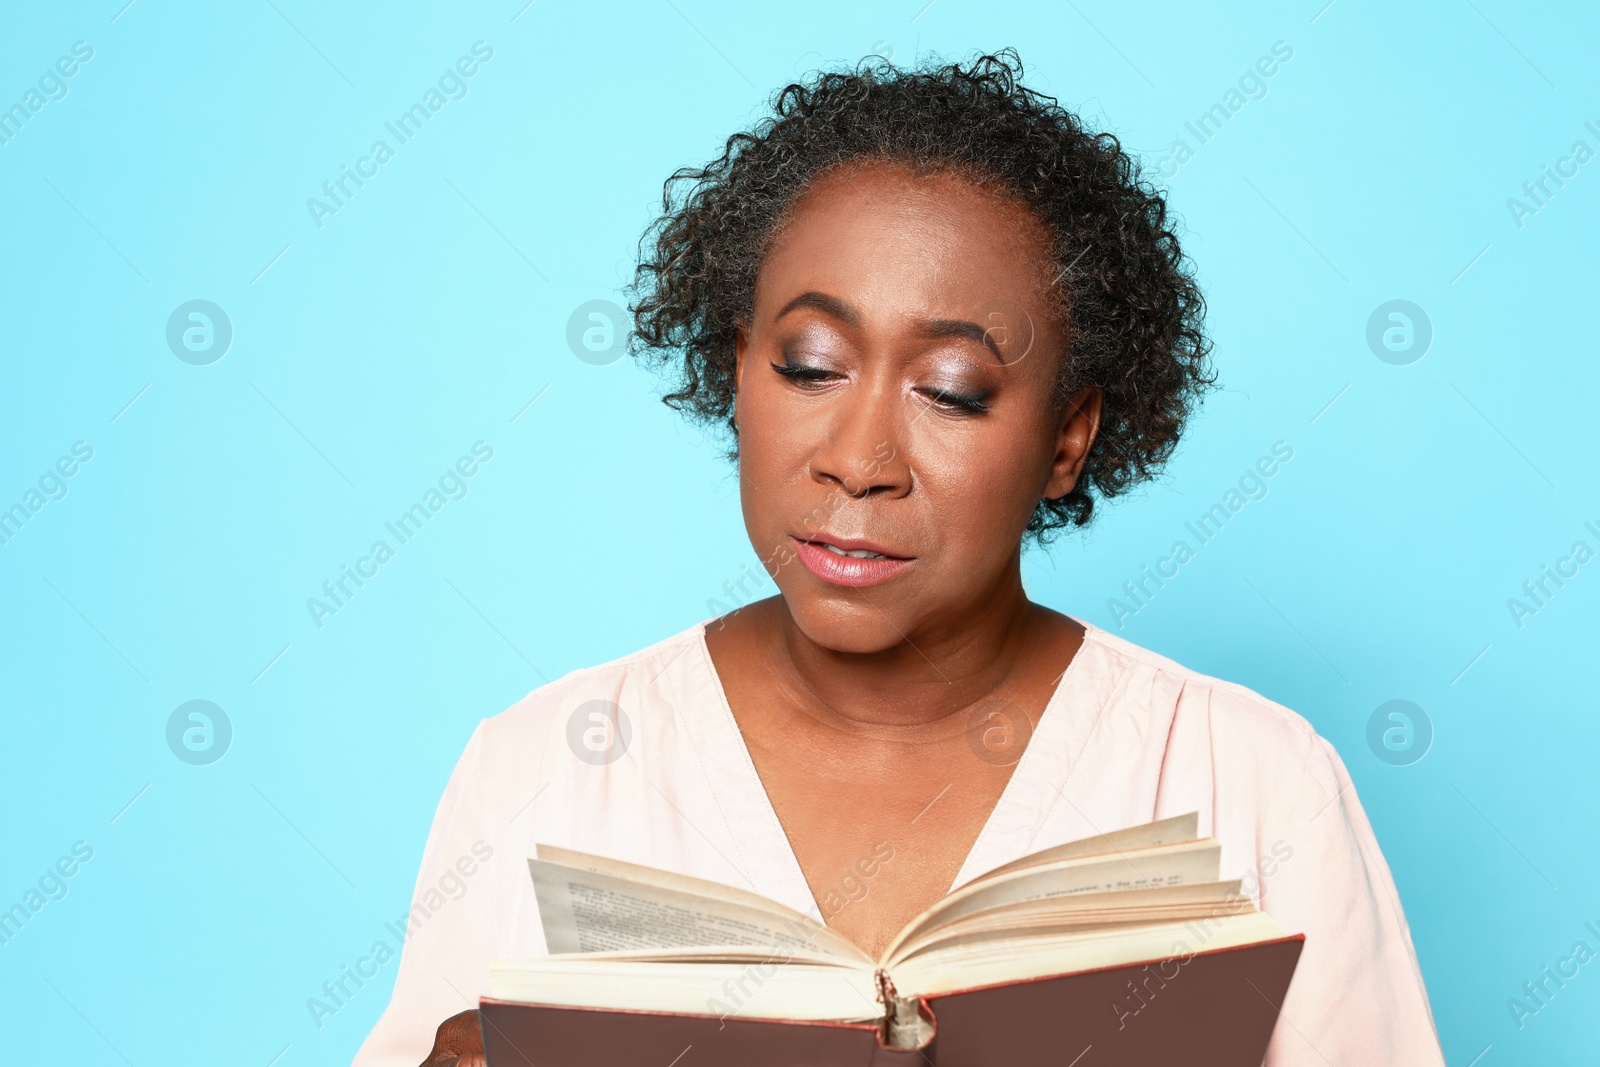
column 962, row 328
column 828, row 305
column 938, row 328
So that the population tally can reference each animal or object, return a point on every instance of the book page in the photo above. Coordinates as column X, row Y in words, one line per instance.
column 737, row 955
column 1179, row 864
column 638, row 872
column 1171, row 831
column 1052, row 916
column 586, row 911
column 1197, row 897
column 799, row 991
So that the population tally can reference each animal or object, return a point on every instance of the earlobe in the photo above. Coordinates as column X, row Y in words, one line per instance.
column 1080, row 424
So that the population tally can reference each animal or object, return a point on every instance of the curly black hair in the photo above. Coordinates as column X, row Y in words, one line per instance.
column 1133, row 314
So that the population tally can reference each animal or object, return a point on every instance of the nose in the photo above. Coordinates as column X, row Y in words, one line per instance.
column 863, row 452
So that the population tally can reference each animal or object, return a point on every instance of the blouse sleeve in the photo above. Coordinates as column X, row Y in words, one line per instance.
column 448, row 942
column 1357, row 996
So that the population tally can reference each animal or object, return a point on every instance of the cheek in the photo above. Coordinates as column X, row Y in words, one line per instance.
column 756, row 412
column 986, row 482
column 772, row 456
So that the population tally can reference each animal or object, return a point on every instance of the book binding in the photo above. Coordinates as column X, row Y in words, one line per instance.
column 1203, row 1009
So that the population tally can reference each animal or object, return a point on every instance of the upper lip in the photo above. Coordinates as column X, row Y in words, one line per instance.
column 852, row 544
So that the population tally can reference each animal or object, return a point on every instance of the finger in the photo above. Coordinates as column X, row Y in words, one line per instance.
column 457, row 1041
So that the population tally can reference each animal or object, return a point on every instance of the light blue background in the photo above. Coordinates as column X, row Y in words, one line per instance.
column 371, row 353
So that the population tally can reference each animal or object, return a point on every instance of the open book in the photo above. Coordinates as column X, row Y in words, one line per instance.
column 1136, row 916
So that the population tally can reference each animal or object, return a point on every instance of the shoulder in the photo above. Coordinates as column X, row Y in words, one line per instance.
column 569, row 739
column 628, row 681
column 1245, row 730
column 1259, row 773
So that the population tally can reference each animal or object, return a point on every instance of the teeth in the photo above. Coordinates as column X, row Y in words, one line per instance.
column 859, row 553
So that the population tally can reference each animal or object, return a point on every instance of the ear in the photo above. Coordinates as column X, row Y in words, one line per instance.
column 1080, row 423
column 741, row 348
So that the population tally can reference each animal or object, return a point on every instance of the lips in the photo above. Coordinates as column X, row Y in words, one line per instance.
column 849, row 561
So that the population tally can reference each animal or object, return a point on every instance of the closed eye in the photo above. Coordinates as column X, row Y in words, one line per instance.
column 958, row 403
column 801, row 373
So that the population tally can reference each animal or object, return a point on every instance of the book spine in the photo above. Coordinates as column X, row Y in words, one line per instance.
column 902, row 1017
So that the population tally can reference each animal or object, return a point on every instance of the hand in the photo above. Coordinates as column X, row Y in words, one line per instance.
column 459, row 1043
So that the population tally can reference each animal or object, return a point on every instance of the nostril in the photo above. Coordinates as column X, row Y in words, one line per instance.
column 862, row 469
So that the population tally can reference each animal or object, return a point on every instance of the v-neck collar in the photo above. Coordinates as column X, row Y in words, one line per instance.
column 768, row 860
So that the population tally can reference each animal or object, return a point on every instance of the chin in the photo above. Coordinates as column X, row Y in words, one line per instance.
column 848, row 621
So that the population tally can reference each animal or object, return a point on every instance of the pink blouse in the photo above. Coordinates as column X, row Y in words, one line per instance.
column 1127, row 737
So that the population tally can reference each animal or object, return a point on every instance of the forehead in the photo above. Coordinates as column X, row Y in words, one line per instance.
column 879, row 234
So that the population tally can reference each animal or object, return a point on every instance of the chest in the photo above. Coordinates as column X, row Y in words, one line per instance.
column 879, row 829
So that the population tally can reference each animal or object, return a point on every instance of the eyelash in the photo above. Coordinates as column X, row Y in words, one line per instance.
column 801, row 372
column 957, row 403
column 968, row 403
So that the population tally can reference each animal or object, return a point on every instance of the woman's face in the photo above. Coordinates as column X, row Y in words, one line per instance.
column 896, row 400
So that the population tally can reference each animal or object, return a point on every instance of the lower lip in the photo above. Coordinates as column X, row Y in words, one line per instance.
column 847, row 570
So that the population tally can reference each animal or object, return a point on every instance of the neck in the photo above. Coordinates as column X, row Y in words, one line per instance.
column 933, row 673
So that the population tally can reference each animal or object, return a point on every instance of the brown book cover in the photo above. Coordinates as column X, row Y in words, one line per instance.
column 1211, row 1009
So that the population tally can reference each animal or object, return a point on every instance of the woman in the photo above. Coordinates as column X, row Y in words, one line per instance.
column 939, row 318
